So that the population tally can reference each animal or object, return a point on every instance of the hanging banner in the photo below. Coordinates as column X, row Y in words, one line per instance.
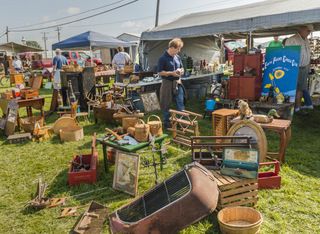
column 281, row 71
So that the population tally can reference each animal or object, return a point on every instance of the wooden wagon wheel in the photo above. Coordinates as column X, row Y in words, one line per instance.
column 252, row 129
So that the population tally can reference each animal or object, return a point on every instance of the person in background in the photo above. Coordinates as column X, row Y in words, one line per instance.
column 120, row 60
column 275, row 42
column 170, row 69
column 58, row 61
column 17, row 64
column 6, row 65
column 301, row 39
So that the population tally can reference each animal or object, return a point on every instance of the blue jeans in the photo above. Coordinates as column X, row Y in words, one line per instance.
column 307, row 98
column 180, row 106
column 180, row 99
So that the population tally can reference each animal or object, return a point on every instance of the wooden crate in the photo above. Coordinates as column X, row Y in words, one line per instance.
column 236, row 191
column 221, row 121
column 17, row 78
column 29, row 93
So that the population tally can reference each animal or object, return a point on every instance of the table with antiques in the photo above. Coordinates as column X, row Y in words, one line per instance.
column 151, row 81
column 127, row 148
column 283, row 128
column 36, row 103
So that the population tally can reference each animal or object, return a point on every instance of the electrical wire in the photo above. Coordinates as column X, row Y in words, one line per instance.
column 73, row 21
column 70, row 16
column 146, row 17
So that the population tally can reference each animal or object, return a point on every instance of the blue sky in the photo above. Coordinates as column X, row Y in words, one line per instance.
column 133, row 18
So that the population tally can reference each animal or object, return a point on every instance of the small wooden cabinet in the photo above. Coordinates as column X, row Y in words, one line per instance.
column 243, row 85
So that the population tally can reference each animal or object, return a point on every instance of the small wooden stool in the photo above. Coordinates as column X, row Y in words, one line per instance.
column 283, row 128
column 221, row 121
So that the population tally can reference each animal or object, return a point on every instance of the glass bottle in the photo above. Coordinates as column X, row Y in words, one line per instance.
column 72, row 96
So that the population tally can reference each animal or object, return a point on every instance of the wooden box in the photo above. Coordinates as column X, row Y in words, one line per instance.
column 19, row 138
column 83, row 176
column 16, row 78
column 221, row 121
column 240, row 162
column 270, row 179
column 29, row 93
column 236, row 191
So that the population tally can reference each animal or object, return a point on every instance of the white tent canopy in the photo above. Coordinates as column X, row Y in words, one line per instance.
column 267, row 18
column 200, row 48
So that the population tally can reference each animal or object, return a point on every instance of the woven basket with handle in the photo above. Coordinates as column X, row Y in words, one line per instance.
column 155, row 125
column 129, row 122
column 141, row 131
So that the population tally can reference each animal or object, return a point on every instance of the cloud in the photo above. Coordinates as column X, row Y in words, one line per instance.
column 73, row 10
column 45, row 18
column 132, row 24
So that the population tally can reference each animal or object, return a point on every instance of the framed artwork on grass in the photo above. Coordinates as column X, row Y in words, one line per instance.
column 126, row 172
column 150, row 102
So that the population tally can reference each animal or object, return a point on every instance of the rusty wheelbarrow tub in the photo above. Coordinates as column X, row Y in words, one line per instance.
column 184, row 198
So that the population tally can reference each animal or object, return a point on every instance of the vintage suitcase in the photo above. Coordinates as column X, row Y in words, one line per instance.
column 240, row 162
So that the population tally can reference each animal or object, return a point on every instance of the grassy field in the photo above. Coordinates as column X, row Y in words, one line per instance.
column 295, row 208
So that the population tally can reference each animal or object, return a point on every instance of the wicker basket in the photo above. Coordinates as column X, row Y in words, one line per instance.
column 155, row 125
column 142, row 131
column 28, row 123
column 72, row 133
column 128, row 69
column 129, row 122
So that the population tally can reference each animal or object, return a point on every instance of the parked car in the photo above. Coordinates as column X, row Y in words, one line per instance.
column 74, row 56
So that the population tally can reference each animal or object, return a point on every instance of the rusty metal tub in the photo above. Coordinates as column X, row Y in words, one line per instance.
column 183, row 199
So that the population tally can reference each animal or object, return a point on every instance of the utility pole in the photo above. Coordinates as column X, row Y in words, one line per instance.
column 157, row 13
column 58, row 30
column 45, row 43
column 7, row 33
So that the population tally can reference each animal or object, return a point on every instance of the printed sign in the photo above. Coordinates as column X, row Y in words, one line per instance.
column 281, row 71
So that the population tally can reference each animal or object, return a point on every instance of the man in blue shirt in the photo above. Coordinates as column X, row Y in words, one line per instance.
column 58, row 61
column 170, row 69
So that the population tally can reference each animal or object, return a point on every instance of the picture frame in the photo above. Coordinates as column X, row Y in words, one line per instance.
column 126, row 172
column 241, row 155
column 150, row 102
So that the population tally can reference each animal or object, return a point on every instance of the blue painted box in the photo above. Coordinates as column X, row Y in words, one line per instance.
column 240, row 162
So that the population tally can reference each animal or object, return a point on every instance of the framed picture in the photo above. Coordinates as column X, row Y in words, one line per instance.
column 126, row 172
column 150, row 101
column 243, row 155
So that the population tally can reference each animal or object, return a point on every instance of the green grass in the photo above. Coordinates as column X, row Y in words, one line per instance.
column 295, row 208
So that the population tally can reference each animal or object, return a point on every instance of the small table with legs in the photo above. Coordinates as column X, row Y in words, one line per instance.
column 283, row 128
column 128, row 148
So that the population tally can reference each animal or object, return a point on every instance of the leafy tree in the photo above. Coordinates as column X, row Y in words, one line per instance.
column 34, row 44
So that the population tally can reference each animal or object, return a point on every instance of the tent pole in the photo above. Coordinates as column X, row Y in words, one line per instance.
column 91, row 55
column 222, row 50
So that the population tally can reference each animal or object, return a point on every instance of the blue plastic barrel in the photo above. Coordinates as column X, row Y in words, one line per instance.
column 210, row 104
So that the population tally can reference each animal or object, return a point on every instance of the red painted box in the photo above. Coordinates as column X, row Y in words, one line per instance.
column 83, row 169
column 269, row 179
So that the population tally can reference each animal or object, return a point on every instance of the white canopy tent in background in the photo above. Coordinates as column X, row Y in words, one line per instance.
column 263, row 19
